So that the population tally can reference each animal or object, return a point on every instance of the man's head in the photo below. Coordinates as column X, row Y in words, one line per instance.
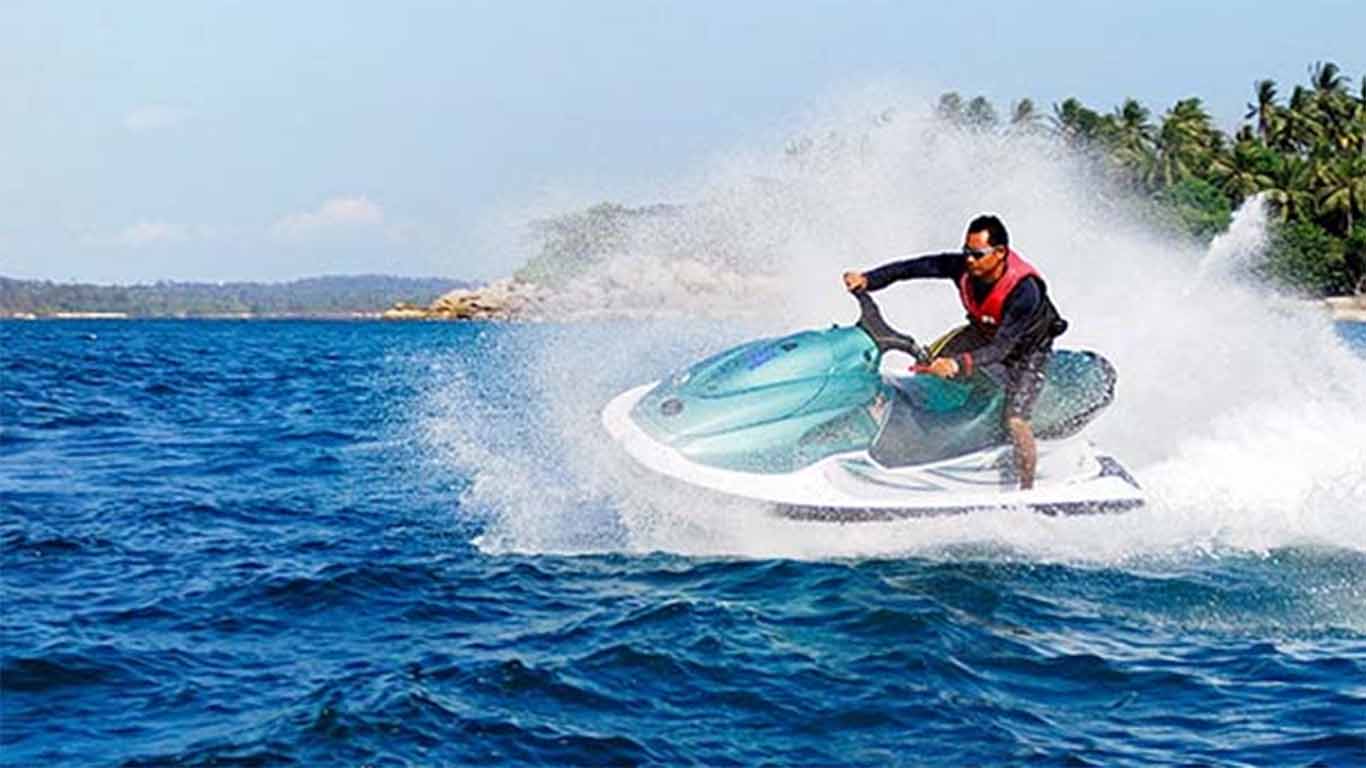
column 985, row 246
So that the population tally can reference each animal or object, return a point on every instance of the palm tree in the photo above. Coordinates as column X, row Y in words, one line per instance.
column 1168, row 165
column 950, row 108
column 1357, row 124
column 1024, row 116
column 1131, row 137
column 1289, row 190
column 980, row 114
column 1342, row 190
column 1265, row 109
column 1193, row 122
column 1326, row 77
column 1133, row 125
column 1076, row 124
column 1335, row 104
column 1244, row 171
column 1183, row 146
column 1301, row 122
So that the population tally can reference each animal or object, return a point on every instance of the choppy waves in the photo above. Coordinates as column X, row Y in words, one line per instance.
column 249, row 544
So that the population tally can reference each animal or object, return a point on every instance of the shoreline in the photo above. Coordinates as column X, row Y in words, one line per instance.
column 1345, row 309
column 35, row 317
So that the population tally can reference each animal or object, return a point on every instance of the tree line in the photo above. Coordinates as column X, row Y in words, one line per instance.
column 1305, row 153
column 314, row 296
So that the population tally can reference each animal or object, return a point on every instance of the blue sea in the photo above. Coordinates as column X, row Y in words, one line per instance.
column 364, row 544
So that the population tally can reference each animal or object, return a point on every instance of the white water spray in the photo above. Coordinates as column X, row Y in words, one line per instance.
column 1243, row 416
column 1238, row 248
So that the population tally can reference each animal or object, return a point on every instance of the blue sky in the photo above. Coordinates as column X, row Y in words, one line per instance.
column 266, row 141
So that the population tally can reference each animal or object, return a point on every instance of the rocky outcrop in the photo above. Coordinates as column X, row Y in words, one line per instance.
column 618, row 288
column 639, row 288
column 1348, row 308
column 507, row 299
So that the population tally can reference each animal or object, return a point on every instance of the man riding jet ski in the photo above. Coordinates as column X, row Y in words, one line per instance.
column 807, row 425
column 1011, row 323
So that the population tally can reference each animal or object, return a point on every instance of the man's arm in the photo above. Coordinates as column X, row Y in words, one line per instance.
column 949, row 265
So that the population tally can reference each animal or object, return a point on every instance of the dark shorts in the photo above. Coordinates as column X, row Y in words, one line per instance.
column 1022, row 376
column 1024, row 382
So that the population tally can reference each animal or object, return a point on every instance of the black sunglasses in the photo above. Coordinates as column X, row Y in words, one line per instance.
column 978, row 253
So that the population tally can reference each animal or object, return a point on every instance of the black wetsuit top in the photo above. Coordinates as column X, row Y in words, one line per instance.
column 1028, row 319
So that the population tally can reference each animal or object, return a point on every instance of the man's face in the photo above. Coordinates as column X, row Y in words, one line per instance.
column 983, row 259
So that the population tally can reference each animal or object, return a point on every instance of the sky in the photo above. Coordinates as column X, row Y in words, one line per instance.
column 151, row 140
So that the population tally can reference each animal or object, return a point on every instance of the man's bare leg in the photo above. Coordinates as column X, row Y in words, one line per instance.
column 1026, row 454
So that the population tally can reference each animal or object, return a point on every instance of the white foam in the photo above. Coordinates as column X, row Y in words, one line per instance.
column 1243, row 415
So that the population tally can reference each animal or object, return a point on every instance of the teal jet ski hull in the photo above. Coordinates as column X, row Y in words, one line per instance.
column 775, row 405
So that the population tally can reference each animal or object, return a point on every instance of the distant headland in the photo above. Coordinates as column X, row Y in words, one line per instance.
column 331, row 296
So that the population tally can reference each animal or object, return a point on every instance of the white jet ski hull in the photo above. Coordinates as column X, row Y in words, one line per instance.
column 1071, row 478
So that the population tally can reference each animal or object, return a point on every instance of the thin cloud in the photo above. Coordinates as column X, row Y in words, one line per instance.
column 147, row 233
column 336, row 216
column 150, row 233
column 154, row 117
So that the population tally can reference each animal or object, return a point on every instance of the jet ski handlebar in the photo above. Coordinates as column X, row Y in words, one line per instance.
column 871, row 321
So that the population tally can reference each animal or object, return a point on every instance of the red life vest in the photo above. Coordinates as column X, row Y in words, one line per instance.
column 987, row 314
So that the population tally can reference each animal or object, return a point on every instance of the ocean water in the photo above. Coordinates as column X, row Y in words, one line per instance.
column 313, row 543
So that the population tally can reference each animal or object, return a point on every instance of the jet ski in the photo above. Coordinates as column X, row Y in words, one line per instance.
column 809, row 426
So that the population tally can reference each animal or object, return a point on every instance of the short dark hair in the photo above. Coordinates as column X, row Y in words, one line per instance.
column 996, row 231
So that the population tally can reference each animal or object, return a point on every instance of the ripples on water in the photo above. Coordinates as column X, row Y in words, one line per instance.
column 230, row 544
